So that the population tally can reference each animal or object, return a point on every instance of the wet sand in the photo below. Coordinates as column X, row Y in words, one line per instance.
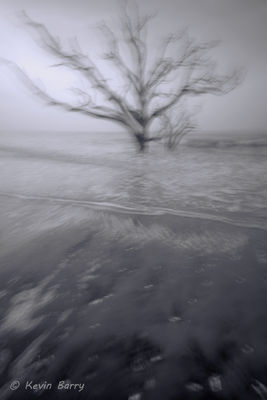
column 133, row 306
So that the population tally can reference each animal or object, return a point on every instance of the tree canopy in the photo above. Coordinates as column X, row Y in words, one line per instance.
column 154, row 85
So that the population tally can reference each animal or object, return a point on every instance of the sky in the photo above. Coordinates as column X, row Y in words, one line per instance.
column 239, row 24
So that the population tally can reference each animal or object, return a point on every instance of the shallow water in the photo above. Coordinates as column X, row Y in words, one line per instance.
column 201, row 176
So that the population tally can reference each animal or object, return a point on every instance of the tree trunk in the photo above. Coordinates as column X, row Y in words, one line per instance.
column 141, row 141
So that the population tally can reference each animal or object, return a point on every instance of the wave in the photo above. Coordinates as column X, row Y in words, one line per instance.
column 226, row 143
column 243, row 220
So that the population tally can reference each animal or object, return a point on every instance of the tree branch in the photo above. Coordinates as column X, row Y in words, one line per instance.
column 114, row 56
column 79, row 62
column 182, row 67
column 87, row 108
column 207, row 83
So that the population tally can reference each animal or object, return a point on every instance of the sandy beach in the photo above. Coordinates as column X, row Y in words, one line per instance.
column 133, row 306
column 127, row 277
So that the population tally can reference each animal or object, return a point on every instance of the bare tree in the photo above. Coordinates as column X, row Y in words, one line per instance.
column 174, row 126
column 181, row 68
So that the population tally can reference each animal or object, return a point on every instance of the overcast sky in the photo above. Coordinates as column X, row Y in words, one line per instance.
column 240, row 24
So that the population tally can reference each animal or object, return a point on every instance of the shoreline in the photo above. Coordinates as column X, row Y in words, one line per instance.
column 149, row 304
column 140, row 210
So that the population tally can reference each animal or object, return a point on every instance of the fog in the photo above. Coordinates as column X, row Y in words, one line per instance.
column 239, row 24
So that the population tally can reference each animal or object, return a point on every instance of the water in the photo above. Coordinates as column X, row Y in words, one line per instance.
column 103, row 285
column 212, row 175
